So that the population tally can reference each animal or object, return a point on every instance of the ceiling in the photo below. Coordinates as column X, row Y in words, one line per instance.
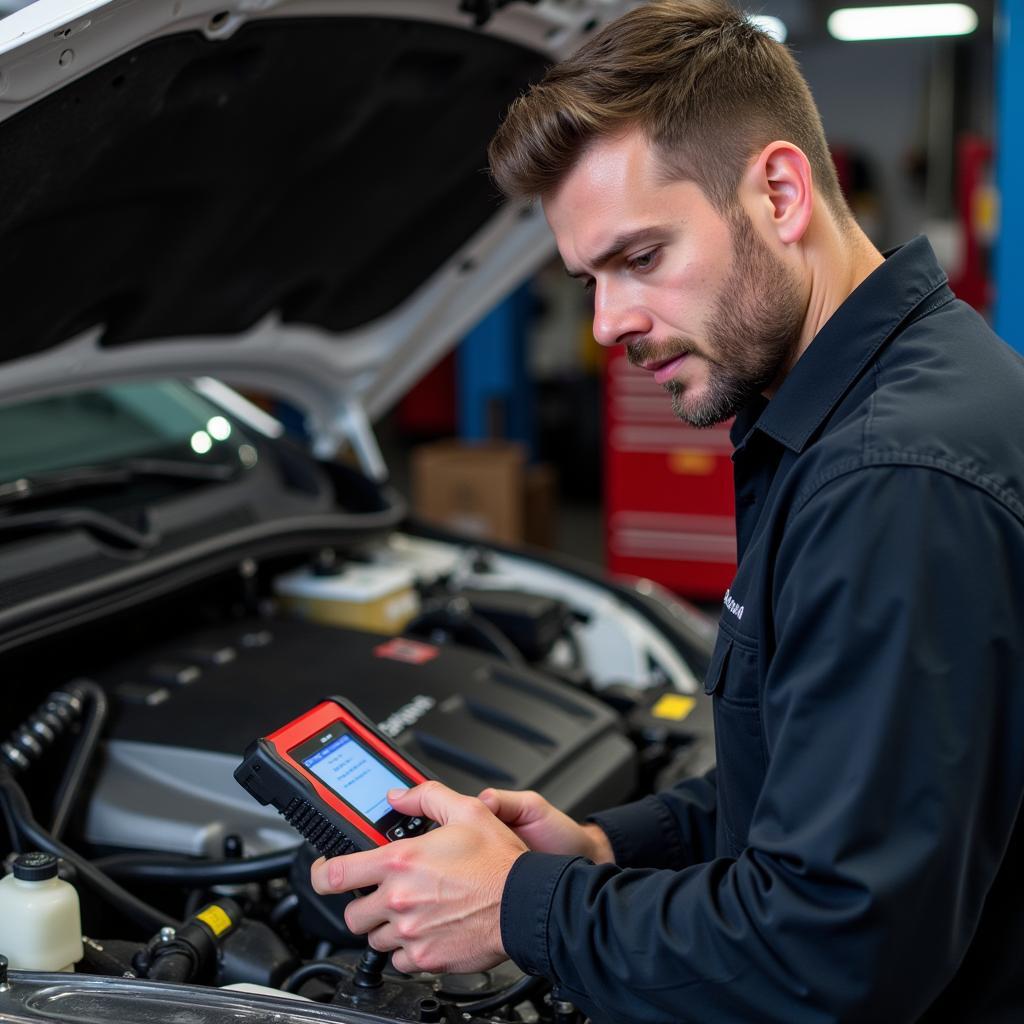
column 806, row 20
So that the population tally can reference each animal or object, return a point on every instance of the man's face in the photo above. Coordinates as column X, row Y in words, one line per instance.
column 698, row 299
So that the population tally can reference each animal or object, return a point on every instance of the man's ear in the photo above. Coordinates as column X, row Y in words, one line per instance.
column 780, row 186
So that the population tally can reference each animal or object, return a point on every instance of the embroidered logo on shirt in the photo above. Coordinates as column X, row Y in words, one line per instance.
column 733, row 605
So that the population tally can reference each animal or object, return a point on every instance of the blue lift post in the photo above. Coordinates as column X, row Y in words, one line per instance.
column 1009, row 254
column 495, row 394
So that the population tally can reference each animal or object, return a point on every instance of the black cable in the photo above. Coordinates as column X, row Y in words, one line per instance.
column 16, row 805
column 524, row 988
column 163, row 870
column 284, row 906
column 12, row 828
column 81, row 757
column 456, row 617
column 314, row 969
column 195, row 899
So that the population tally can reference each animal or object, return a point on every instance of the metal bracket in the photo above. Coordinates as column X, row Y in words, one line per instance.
column 352, row 426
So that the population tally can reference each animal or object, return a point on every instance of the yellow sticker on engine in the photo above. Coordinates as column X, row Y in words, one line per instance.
column 674, row 706
column 215, row 919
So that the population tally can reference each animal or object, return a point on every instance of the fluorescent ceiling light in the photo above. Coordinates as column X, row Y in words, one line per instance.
column 774, row 27
column 906, row 22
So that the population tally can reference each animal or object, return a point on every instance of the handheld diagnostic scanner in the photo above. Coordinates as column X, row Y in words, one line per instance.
column 328, row 772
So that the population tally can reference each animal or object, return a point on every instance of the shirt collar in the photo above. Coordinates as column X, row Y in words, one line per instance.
column 847, row 343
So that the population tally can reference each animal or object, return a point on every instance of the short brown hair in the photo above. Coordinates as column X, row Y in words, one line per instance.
column 707, row 88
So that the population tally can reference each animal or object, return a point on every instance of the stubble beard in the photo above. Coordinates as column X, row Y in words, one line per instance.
column 752, row 333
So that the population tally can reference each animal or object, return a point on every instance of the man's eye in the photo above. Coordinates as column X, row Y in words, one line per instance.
column 588, row 285
column 644, row 261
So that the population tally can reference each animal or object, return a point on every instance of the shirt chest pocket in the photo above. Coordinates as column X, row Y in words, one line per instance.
column 733, row 680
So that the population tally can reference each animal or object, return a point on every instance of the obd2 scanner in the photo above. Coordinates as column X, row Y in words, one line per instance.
column 328, row 772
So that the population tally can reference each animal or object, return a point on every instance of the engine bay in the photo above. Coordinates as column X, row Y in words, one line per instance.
column 509, row 671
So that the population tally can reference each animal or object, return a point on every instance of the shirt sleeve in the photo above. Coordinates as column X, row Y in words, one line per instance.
column 671, row 829
column 892, row 710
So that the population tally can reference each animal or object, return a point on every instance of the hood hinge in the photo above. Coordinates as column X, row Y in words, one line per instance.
column 352, row 426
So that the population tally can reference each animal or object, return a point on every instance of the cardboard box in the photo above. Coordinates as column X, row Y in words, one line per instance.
column 484, row 490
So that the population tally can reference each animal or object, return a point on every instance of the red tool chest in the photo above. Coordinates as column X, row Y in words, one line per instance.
column 668, row 489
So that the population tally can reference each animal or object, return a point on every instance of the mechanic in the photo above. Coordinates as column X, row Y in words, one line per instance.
column 853, row 856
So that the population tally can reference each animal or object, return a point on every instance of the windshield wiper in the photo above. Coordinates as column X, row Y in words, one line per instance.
column 111, row 474
column 102, row 526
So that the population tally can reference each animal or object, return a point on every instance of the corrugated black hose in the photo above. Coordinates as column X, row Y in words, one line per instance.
column 78, row 764
column 16, row 807
column 26, row 745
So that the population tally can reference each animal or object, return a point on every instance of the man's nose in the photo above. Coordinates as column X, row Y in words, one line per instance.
column 616, row 317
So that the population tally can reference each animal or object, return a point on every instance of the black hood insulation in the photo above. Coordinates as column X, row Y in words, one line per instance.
column 323, row 168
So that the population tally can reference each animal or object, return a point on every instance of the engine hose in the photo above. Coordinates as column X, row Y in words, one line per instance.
column 315, row 969
column 191, row 953
column 284, row 906
column 194, row 901
column 12, row 829
column 180, row 966
column 164, row 870
column 16, row 806
column 41, row 730
column 456, row 617
column 524, row 988
column 81, row 757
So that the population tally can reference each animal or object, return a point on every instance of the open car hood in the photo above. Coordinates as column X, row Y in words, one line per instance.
column 288, row 195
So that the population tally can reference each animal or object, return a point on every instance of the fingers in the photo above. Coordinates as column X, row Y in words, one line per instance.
column 430, row 800
column 350, row 871
column 402, row 962
column 438, row 895
column 366, row 914
column 384, row 939
column 491, row 799
column 515, row 807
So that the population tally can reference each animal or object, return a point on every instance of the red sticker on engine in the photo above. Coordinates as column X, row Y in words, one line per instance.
column 410, row 651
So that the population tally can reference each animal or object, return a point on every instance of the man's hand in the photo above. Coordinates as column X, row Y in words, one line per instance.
column 546, row 829
column 438, row 897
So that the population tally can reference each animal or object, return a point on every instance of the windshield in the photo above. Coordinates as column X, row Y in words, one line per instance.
column 10, row 6
column 165, row 419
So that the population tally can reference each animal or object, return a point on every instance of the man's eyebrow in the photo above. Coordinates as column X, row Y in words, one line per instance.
column 620, row 243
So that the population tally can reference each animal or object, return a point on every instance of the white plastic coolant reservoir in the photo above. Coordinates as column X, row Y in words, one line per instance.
column 40, row 917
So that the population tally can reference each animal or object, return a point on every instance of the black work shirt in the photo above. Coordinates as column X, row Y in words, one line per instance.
column 852, row 858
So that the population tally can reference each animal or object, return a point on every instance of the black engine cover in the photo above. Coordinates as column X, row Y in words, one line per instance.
column 472, row 720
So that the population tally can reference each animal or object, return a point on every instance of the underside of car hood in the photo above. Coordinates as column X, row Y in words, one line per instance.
column 291, row 196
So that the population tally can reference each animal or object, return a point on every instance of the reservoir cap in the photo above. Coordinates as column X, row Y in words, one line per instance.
column 35, row 867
